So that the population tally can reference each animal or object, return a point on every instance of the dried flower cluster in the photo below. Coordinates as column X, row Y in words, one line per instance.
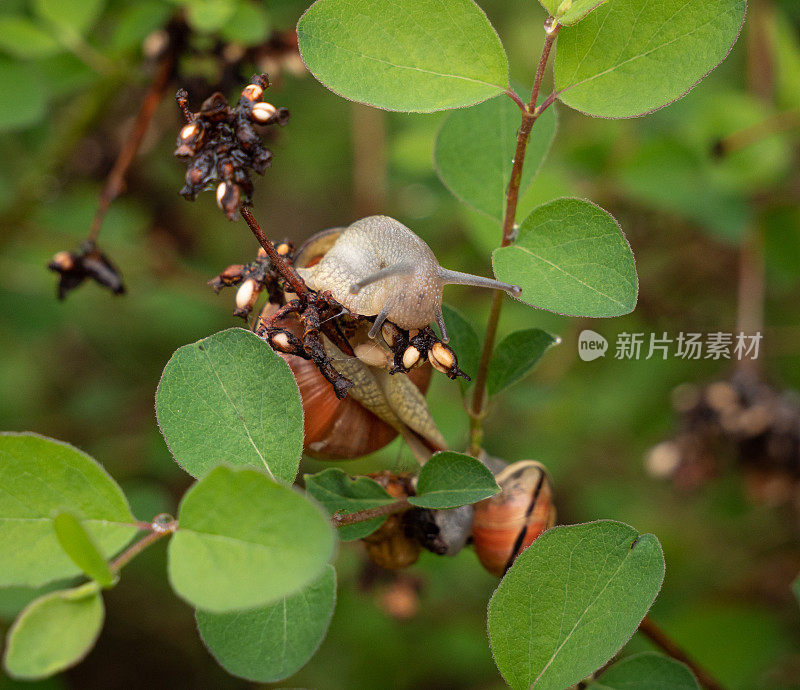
column 743, row 418
column 87, row 262
column 222, row 145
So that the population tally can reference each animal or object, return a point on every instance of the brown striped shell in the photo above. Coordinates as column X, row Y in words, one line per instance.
column 507, row 523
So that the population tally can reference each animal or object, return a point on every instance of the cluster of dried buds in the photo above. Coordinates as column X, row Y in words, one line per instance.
column 742, row 418
column 87, row 262
column 499, row 528
column 252, row 279
column 222, row 145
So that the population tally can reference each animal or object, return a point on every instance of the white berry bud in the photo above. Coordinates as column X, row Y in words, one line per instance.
column 281, row 341
column 410, row 357
column 252, row 92
column 222, row 190
column 264, row 112
column 441, row 358
column 245, row 293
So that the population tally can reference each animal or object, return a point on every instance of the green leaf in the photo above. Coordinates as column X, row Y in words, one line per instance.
column 570, row 12
column 41, row 477
column 629, row 58
column 24, row 101
column 229, row 398
column 646, row 671
column 571, row 258
column 80, row 547
column 571, row 600
column 207, row 16
column 475, row 151
column 137, row 21
column 74, row 15
column 248, row 25
column 409, row 55
column 271, row 643
column 465, row 343
column 515, row 357
column 25, row 39
column 54, row 632
column 796, row 588
column 244, row 541
column 449, row 480
column 340, row 493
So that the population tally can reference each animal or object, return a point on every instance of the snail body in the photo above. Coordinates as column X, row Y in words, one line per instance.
column 379, row 267
column 507, row 523
column 378, row 407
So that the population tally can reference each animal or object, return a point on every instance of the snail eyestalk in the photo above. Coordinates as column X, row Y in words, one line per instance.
column 401, row 269
column 449, row 277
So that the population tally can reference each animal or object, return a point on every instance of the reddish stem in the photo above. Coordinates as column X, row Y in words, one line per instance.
column 398, row 506
column 530, row 114
column 116, row 178
column 657, row 636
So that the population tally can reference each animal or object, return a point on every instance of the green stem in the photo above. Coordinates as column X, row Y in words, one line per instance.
column 135, row 549
column 530, row 114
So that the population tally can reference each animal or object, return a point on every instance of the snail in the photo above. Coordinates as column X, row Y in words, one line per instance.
column 378, row 408
column 378, row 267
column 507, row 523
column 394, row 545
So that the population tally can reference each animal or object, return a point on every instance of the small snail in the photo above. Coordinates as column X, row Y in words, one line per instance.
column 507, row 523
column 378, row 408
column 394, row 545
column 377, row 266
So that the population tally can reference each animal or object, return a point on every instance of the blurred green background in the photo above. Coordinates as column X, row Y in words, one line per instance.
column 86, row 370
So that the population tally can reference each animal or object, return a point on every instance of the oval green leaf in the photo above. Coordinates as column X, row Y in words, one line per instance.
column 271, row 643
column 54, row 632
column 465, row 342
column 229, row 398
column 475, row 151
column 80, row 547
column 244, row 541
column 514, row 358
column 646, row 671
column 25, row 39
column 41, row 477
column 629, row 58
column 571, row 258
column 571, row 600
column 450, row 479
column 408, row 55
column 73, row 15
column 570, row 12
column 341, row 493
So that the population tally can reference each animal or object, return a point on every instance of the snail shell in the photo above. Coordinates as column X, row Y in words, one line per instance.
column 507, row 523
column 378, row 408
column 378, row 267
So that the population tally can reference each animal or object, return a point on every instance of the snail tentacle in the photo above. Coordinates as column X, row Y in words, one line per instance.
column 449, row 277
column 440, row 324
column 401, row 268
column 380, row 318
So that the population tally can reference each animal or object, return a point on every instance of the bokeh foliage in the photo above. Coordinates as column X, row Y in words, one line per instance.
column 86, row 369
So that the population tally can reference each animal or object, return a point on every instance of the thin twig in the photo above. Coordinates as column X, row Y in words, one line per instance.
column 399, row 506
column 292, row 278
column 288, row 273
column 116, row 178
column 513, row 96
column 657, row 636
column 135, row 549
column 529, row 116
